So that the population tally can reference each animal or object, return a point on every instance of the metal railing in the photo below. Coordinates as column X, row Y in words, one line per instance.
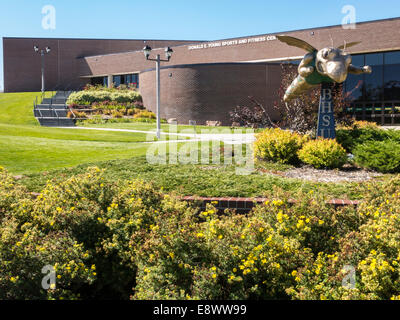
column 382, row 112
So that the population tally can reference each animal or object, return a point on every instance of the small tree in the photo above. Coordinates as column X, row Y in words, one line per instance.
column 254, row 116
column 299, row 115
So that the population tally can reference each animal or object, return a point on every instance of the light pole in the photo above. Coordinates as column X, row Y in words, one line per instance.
column 42, row 52
column 168, row 54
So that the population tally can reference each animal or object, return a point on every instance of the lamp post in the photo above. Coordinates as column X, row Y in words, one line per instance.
column 42, row 52
column 168, row 54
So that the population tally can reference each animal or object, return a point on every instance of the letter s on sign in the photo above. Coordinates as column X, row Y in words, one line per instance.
column 326, row 120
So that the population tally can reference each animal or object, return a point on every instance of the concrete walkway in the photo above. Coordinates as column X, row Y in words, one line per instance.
column 223, row 137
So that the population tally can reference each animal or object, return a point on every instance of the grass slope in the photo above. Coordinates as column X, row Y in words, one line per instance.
column 26, row 147
column 203, row 180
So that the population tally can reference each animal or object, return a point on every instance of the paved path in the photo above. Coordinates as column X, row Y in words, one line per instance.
column 224, row 137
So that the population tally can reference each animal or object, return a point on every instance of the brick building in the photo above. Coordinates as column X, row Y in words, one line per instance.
column 205, row 80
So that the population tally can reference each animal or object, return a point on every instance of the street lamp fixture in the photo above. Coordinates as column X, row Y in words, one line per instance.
column 168, row 55
column 42, row 53
column 147, row 51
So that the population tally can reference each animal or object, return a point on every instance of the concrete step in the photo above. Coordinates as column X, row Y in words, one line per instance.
column 65, row 122
column 54, row 101
column 53, row 106
column 47, row 114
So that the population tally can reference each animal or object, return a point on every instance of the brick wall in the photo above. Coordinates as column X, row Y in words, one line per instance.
column 22, row 66
column 210, row 91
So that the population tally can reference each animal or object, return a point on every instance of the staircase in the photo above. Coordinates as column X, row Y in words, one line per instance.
column 53, row 112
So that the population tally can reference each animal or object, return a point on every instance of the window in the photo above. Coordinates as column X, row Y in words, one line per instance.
column 384, row 82
column 354, row 83
column 127, row 79
column 374, row 81
column 392, row 76
column 99, row 81
column 117, row 80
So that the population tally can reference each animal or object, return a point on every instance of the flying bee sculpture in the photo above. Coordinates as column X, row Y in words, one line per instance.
column 328, row 65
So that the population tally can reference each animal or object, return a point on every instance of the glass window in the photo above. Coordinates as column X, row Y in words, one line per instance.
column 384, row 82
column 358, row 60
column 353, row 87
column 392, row 76
column 373, row 85
column 355, row 83
column 392, row 57
column 374, row 59
column 117, row 80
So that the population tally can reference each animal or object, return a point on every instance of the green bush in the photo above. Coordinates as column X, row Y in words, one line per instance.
column 383, row 156
column 278, row 145
column 121, row 240
column 144, row 114
column 372, row 250
column 323, row 153
column 87, row 97
column 361, row 132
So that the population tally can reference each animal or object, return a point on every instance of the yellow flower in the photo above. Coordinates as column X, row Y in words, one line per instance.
column 200, row 235
column 214, row 276
column 294, row 273
column 321, row 222
column 277, row 203
column 300, row 224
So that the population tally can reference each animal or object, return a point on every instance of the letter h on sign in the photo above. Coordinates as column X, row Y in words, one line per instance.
column 326, row 117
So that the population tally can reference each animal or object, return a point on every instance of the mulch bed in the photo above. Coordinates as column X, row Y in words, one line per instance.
column 347, row 174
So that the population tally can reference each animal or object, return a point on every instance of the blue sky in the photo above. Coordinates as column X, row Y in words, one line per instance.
column 179, row 19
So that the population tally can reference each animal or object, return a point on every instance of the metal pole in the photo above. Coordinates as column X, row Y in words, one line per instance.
column 158, row 96
column 42, row 54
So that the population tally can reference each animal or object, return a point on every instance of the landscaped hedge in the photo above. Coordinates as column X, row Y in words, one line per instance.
column 361, row 132
column 87, row 97
column 323, row 153
column 382, row 156
column 129, row 240
column 278, row 145
column 373, row 148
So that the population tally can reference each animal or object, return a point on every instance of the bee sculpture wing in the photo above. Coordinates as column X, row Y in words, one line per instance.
column 294, row 42
column 348, row 45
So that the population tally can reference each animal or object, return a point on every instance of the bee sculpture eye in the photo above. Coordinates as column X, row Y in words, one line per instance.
column 325, row 54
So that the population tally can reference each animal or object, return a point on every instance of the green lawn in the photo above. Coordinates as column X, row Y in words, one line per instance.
column 17, row 108
column 203, row 180
column 165, row 127
column 25, row 146
column 40, row 153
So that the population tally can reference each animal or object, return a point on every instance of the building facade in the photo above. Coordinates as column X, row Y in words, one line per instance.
column 205, row 80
